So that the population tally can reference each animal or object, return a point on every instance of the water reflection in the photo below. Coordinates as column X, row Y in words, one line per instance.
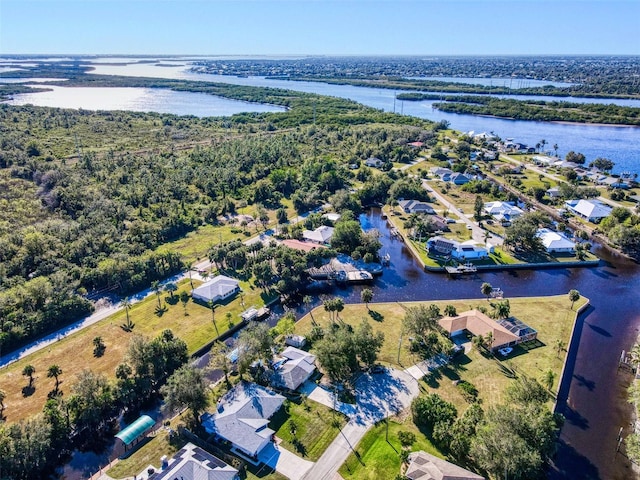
column 140, row 100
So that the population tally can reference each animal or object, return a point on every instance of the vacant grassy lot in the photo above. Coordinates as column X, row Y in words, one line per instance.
column 381, row 458
column 316, row 426
column 193, row 324
column 552, row 317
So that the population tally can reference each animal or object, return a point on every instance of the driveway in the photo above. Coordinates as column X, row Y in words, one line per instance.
column 377, row 396
column 284, row 462
column 328, row 399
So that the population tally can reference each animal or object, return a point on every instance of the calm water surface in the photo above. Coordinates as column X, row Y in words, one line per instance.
column 141, row 100
column 621, row 144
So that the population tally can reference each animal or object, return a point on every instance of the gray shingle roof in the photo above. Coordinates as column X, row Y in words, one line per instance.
column 424, row 466
column 297, row 366
column 243, row 415
column 219, row 287
column 193, row 463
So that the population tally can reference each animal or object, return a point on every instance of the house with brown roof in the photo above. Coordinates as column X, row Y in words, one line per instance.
column 424, row 466
column 477, row 323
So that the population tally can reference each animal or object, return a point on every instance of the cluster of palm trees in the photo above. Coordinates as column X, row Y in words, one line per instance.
column 54, row 371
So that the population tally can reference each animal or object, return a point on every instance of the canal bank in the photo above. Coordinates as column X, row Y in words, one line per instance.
column 595, row 405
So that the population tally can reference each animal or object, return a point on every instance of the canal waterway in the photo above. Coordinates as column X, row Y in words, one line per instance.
column 593, row 396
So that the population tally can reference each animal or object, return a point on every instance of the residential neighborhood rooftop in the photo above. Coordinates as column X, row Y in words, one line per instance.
column 424, row 466
column 243, row 415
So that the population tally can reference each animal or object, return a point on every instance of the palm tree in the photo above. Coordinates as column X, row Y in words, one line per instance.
column 559, row 347
column 308, row 300
column 213, row 307
column 366, row 295
column 486, row 289
column 555, row 149
column 479, row 342
column 548, row 378
column 543, row 142
column 171, row 288
column 126, row 304
column 28, row 371
column 488, row 339
column 155, row 286
column 574, row 296
column 450, row 311
column 54, row 372
column 502, row 309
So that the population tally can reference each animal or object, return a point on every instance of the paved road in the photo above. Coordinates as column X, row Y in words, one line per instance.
column 478, row 234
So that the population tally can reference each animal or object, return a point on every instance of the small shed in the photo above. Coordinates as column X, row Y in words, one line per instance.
column 135, row 432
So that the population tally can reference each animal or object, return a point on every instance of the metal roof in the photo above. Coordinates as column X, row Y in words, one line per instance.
column 137, row 428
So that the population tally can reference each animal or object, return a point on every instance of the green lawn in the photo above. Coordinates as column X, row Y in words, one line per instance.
column 316, row 427
column 552, row 317
column 149, row 454
column 75, row 352
column 381, row 459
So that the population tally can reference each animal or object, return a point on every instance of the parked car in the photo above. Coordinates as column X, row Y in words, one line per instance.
column 449, row 220
column 378, row 369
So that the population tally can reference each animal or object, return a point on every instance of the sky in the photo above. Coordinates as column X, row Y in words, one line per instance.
column 320, row 27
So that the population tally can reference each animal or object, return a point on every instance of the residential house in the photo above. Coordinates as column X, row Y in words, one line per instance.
column 416, row 206
column 591, row 210
column 292, row 368
column 553, row 192
column 373, row 162
column 555, row 242
column 194, row 463
column 416, row 144
column 502, row 211
column 459, row 179
column 332, row 216
column 443, row 173
column 219, row 288
column 320, row 235
column 424, row 466
column 297, row 341
column 242, row 417
column 504, row 333
column 461, row 251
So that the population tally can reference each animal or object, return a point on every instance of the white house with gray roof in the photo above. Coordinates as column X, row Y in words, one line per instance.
column 194, row 463
column 502, row 211
column 415, row 206
column 555, row 242
column 217, row 289
column 591, row 210
column 320, row 235
column 242, row 417
column 292, row 368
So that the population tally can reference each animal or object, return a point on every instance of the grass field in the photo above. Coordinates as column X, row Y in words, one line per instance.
column 381, row 458
column 75, row 352
column 316, row 427
column 552, row 317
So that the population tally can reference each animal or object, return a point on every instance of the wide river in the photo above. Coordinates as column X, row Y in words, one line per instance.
column 592, row 396
column 620, row 144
